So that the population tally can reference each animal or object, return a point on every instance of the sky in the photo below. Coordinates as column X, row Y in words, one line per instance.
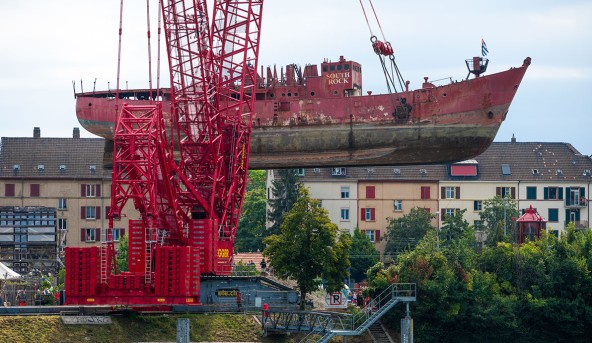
column 48, row 45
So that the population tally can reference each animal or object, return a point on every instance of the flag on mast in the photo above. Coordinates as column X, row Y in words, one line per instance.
column 484, row 50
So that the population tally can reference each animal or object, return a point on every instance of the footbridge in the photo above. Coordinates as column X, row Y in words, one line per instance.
column 327, row 325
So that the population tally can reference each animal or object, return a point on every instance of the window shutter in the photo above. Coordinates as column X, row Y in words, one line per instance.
column 560, row 193
column 82, row 212
column 363, row 214
column 98, row 212
column 98, row 190
column 578, row 215
column 35, row 189
column 121, row 232
column 83, row 235
column 83, row 190
column 546, row 193
column 9, row 190
column 97, row 235
column 513, row 190
column 370, row 192
column 498, row 191
column 372, row 214
column 567, row 216
column 428, row 209
column 568, row 197
column 427, row 192
column 457, row 192
column 376, row 235
column 443, row 214
column 442, row 192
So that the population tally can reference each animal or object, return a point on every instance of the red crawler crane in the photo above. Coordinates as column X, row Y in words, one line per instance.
column 190, row 207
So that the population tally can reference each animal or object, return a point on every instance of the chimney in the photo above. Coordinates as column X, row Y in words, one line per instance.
column 76, row 133
column 513, row 139
column 36, row 132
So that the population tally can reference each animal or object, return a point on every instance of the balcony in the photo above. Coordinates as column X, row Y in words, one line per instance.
column 580, row 202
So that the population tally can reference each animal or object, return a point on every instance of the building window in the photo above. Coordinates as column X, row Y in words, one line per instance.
column 575, row 196
column 531, row 193
column 90, row 235
column 345, row 214
column 62, row 203
column 90, row 212
column 9, row 190
column 553, row 193
column 398, row 204
column 448, row 212
column 300, row 171
column 368, row 214
column 450, row 192
column 370, row 192
column 553, row 215
column 117, row 234
column 344, row 192
column 477, row 205
column 373, row 235
column 62, row 224
column 90, row 190
column 35, row 189
column 340, row 171
column 425, row 192
column 506, row 192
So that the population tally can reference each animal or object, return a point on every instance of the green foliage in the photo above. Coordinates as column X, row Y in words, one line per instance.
column 244, row 269
column 362, row 255
column 285, row 189
column 492, row 218
column 122, row 254
column 308, row 248
column 251, row 225
column 540, row 291
column 405, row 232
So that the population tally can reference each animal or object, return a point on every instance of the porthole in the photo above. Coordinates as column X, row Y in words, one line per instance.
column 312, row 93
column 339, row 67
column 289, row 94
column 346, row 67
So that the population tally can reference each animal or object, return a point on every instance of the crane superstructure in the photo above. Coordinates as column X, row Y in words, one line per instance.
column 189, row 202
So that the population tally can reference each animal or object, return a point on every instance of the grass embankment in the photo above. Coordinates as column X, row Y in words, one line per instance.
column 142, row 328
column 129, row 328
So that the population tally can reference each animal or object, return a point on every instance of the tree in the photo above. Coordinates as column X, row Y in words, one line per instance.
column 308, row 248
column 251, row 225
column 492, row 218
column 122, row 254
column 405, row 232
column 284, row 189
column 362, row 255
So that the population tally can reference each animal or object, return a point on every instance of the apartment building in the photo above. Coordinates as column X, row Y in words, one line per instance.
column 65, row 174
column 553, row 178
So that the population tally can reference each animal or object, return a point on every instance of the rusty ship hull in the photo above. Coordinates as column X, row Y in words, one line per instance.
column 309, row 119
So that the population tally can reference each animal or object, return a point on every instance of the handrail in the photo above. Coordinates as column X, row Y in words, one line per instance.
column 329, row 324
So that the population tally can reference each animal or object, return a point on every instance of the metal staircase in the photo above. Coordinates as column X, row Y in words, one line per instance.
column 328, row 325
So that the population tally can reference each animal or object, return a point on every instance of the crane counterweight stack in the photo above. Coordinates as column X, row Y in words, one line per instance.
column 189, row 207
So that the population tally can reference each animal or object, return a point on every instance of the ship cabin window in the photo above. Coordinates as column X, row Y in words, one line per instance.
column 325, row 69
column 260, row 96
column 339, row 67
column 332, row 68
column 346, row 67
